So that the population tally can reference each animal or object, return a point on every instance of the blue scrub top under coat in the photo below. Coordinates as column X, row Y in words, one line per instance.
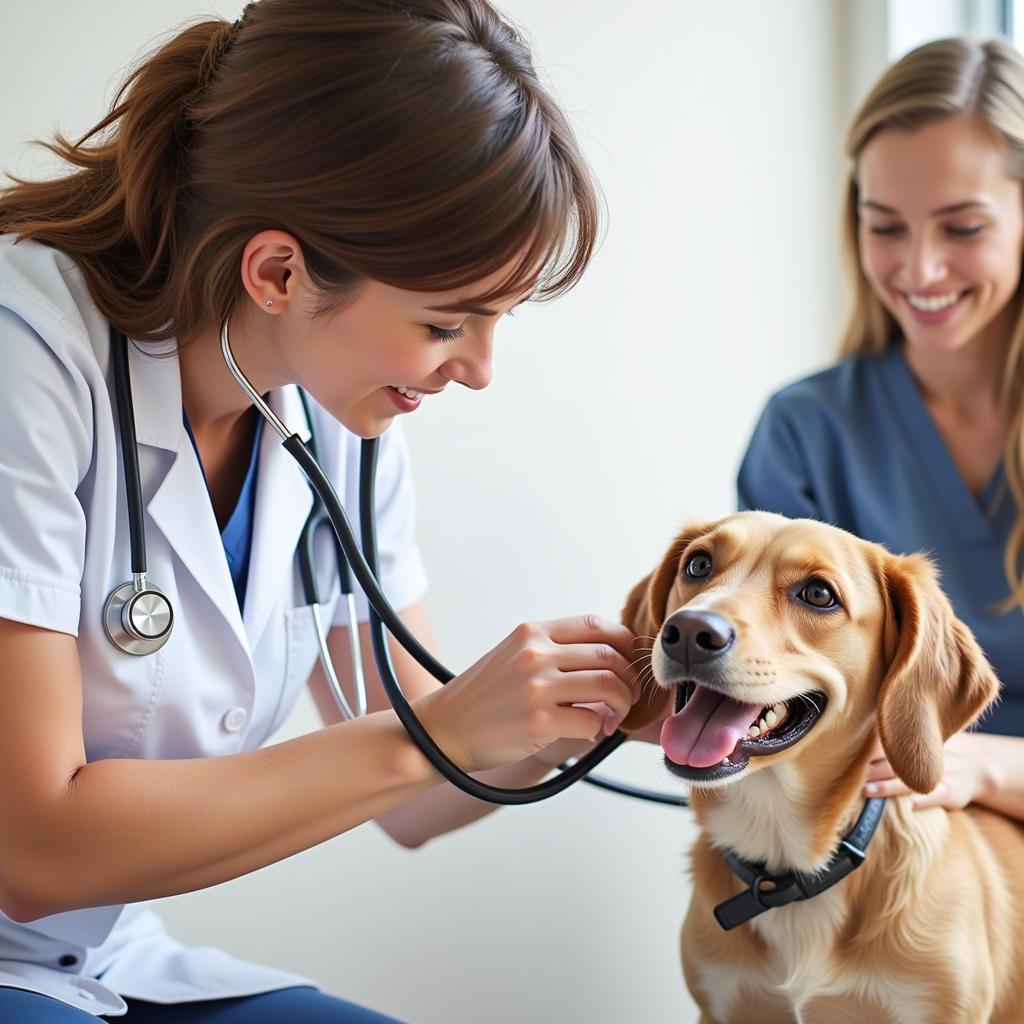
column 237, row 533
column 855, row 446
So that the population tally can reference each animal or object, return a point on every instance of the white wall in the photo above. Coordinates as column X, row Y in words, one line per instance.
column 616, row 414
column 913, row 22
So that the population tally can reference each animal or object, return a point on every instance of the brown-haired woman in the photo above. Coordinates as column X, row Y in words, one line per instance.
column 916, row 438
column 359, row 189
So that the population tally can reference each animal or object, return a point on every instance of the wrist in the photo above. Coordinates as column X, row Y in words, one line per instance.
column 407, row 764
column 992, row 779
column 562, row 750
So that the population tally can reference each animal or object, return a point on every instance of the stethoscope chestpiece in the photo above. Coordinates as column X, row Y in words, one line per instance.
column 137, row 617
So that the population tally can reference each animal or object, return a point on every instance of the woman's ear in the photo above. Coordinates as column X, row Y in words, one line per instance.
column 268, row 261
column 938, row 680
column 644, row 613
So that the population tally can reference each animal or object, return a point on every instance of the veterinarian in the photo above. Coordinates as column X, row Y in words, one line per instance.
column 349, row 196
column 915, row 438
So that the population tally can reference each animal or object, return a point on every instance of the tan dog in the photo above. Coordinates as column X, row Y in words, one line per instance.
column 796, row 646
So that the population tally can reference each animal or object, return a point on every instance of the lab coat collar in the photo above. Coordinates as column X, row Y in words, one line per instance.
column 283, row 503
column 156, row 395
column 180, row 507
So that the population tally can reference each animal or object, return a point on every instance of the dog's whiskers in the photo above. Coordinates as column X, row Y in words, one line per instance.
column 647, row 680
column 808, row 700
column 642, row 657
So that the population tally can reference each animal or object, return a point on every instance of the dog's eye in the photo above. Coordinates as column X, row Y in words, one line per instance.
column 818, row 595
column 699, row 566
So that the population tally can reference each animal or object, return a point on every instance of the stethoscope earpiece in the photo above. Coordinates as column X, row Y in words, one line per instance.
column 137, row 618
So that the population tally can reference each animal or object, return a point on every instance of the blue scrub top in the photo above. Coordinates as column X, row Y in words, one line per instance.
column 855, row 446
column 237, row 533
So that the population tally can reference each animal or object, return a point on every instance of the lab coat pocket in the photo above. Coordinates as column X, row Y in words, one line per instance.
column 301, row 653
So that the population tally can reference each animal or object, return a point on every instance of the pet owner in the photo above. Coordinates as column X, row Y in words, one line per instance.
column 359, row 190
column 916, row 437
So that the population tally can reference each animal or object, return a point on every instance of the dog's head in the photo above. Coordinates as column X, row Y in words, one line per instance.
column 777, row 636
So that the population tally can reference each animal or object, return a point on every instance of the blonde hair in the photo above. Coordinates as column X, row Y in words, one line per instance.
column 942, row 79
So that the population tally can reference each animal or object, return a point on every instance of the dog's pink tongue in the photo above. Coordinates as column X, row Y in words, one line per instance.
column 707, row 729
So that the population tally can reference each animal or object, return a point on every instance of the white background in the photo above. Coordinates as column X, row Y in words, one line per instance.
column 616, row 414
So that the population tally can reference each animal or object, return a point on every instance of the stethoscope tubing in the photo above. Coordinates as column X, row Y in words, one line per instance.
column 129, row 444
column 385, row 667
column 311, row 594
column 351, row 558
column 381, row 614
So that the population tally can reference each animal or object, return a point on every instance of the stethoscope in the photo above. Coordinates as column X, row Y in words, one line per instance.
column 138, row 617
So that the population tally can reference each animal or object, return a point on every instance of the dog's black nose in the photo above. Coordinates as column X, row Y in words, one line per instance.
column 692, row 637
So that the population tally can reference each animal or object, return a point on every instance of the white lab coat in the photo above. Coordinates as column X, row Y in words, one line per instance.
column 225, row 680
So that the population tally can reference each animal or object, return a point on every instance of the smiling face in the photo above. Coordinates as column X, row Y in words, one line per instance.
column 789, row 640
column 941, row 231
column 379, row 353
column 388, row 351
column 771, row 634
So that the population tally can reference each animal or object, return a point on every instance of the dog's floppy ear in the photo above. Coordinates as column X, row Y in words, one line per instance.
column 938, row 679
column 643, row 614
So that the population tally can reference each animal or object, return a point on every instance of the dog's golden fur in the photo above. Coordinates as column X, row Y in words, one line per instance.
column 931, row 926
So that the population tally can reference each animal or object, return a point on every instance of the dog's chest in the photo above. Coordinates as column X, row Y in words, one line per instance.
column 753, row 822
column 804, row 972
column 802, row 937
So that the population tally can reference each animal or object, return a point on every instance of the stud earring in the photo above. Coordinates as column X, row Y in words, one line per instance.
column 270, row 302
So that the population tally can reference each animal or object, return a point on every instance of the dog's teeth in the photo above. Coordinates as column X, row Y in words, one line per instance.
column 753, row 732
column 771, row 718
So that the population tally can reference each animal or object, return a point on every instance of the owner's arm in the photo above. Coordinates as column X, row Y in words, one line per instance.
column 1003, row 761
column 980, row 768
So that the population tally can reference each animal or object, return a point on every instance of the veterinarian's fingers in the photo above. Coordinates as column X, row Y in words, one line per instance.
column 583, row 688
column 886, row 787
column 592, row 629
column 576, row 722
column 573, row 657
column 609, row 718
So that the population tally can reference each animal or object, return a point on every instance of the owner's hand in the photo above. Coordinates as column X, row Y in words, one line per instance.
column 567, row 679
column 966, row 775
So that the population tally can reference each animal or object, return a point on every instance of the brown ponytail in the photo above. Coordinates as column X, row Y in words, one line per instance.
column 407, row 141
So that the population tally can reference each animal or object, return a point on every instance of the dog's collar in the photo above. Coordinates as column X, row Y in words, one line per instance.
column 794, row 885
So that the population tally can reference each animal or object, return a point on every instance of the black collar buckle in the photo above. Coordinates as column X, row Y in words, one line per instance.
column 765, row 891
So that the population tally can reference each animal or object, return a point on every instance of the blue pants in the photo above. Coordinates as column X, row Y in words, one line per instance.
column 287, row 1004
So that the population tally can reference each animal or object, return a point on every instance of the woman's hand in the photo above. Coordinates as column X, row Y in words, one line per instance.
column 564, row 750
column 567, row 679
column 967, row 777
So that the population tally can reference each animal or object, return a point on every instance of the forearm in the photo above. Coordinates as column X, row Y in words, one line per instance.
column 1004, row 766
column 128, row 830
column 446, row 808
